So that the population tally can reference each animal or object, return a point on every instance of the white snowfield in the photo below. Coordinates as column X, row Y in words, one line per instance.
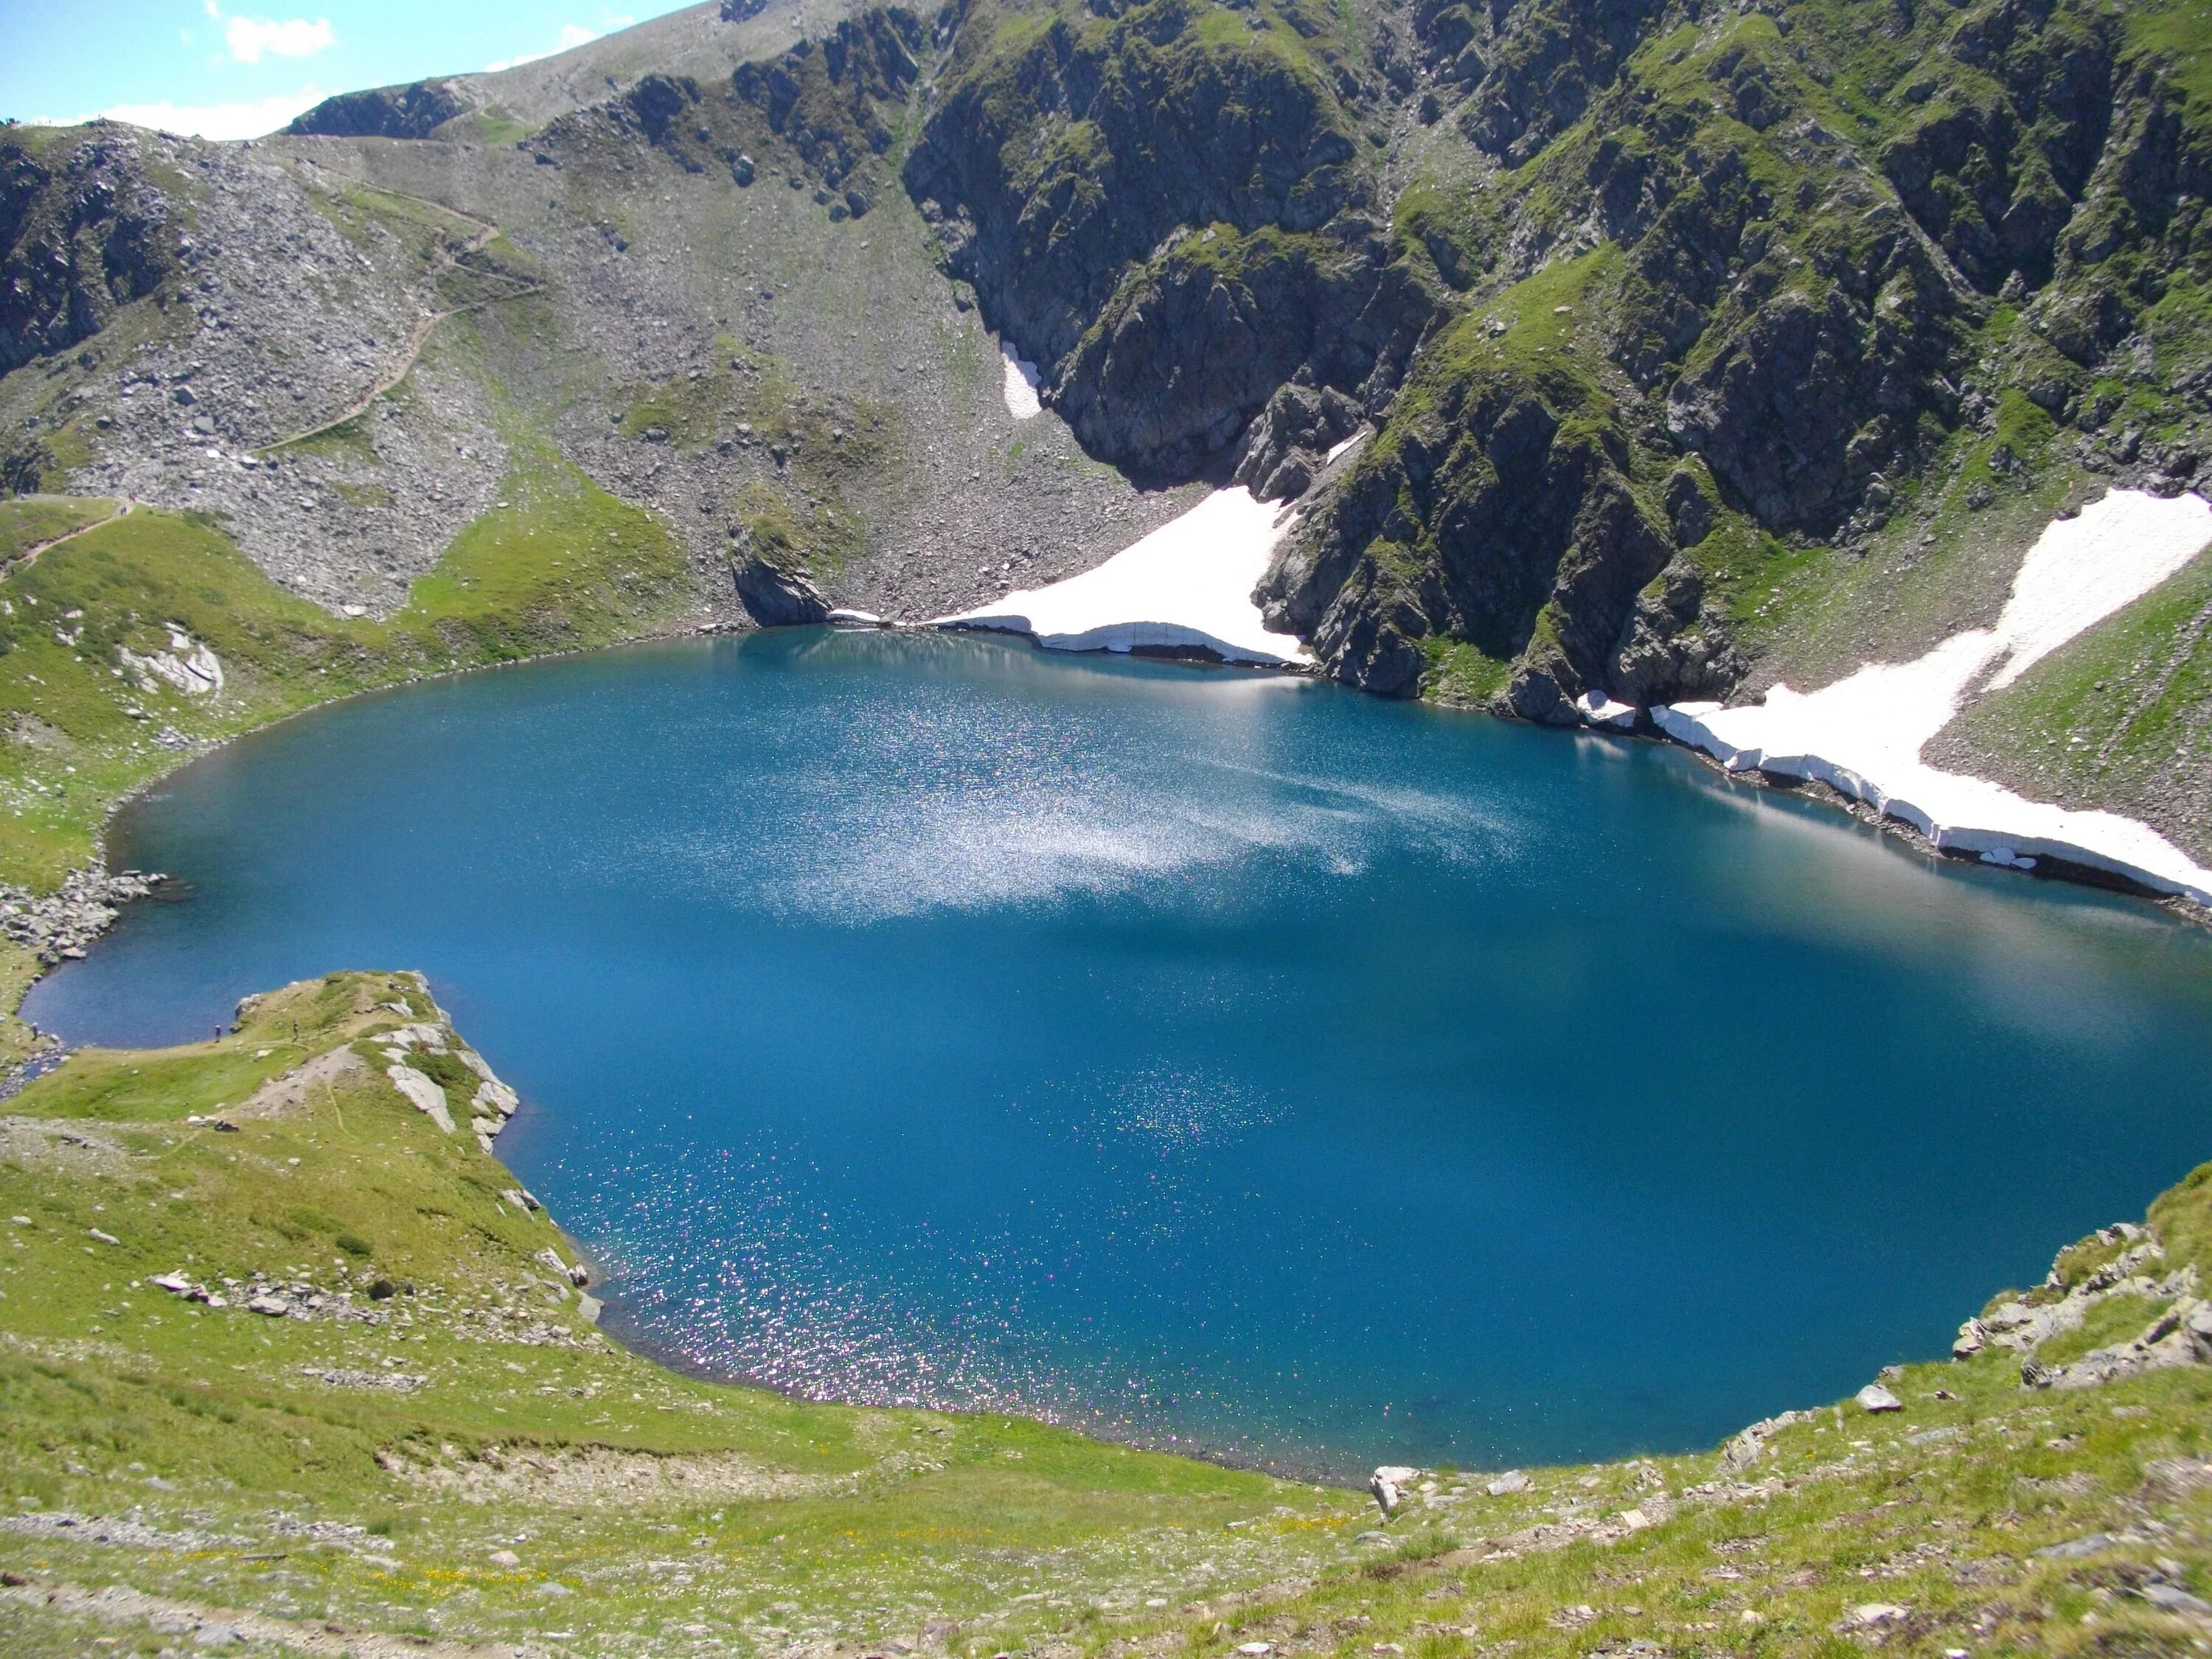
column 1862, row 736
column 1021, row 384
column 1187, row 583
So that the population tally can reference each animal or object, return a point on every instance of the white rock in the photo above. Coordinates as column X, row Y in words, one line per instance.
column 1388, row 1484
column 1875, row 1398
column 1868, row 1614
column 506, row 1559
column 176, row 1284
column 1511, row 1481
column 424, row 1093
column 189, row 665
column 494, row 1096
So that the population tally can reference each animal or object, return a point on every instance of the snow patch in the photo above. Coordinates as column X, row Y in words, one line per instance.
column 1862, row 736
column 2082, row 569
column 1598, row 709
column 1022, row 401
column 1187, row 584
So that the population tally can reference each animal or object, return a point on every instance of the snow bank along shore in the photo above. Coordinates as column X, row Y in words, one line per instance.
column 1862, row 736
column 1186, row 587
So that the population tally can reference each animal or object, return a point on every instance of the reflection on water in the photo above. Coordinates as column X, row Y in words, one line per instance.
column 1212, row 1058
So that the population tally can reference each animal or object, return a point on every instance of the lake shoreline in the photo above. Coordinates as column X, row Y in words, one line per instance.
column 99, row 870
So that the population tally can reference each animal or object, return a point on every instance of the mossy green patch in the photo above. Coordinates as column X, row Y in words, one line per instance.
column 1460, row 675
column 30, row 521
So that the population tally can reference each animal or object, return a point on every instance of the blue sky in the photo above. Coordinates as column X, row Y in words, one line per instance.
column 226, row 71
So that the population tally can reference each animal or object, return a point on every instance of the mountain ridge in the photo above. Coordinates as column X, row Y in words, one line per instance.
column 1703, row 348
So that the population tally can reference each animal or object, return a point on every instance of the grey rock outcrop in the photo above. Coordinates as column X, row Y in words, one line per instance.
column 82, row 233
column 1286, row 447
column 778, row 598
column 62, row 924
column 407, row 112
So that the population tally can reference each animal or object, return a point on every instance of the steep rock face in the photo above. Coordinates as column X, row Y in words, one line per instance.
column 1170, row 218
column 1536, row 65
column 407, row 112
column 81, row 234
column 1804, row 298
column 1494, row 510
column 1196, row 342
column 835, row 105
column 1815, row 392
column 1285, row 448
column 775, row 597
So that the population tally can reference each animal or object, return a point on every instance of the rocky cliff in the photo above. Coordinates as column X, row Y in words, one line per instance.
column 1754, row 284
column 1695, row 347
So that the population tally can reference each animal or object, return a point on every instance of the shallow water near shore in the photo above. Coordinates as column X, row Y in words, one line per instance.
column 1222, row 1061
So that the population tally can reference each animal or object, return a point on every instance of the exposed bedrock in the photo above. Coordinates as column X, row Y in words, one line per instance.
column 1171, row 225
column 1705, row 312
column 407, row 112
column 776, row 596
column 83, row 232
column 1494, row 515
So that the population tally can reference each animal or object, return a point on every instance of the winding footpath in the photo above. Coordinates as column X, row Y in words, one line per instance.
column 486, row 234
column 29, row 556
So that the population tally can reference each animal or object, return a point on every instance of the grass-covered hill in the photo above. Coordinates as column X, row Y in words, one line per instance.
column 285, row 1362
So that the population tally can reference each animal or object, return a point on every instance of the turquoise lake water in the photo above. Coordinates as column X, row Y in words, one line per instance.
column 1221, row 1061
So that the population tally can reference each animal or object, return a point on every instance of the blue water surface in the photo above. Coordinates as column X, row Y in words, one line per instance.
column 1217, row 1059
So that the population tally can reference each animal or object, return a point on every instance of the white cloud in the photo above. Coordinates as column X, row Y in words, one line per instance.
column 244, row 120
column 251, row 37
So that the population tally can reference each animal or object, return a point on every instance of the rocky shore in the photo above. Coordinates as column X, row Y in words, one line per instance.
column 60, row 926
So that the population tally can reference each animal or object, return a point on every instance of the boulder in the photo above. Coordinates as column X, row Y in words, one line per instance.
column 776, row 597
column 1388, row 1484
column 1875, row 1398
column 422, row 1092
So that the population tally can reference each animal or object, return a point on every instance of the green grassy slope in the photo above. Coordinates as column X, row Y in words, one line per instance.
column 425, row 1438
column 561, row 565
column 2116, row 717
column 297, row 1464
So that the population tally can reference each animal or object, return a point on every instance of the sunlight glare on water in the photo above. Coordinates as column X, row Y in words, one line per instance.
column 1217, row 1059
